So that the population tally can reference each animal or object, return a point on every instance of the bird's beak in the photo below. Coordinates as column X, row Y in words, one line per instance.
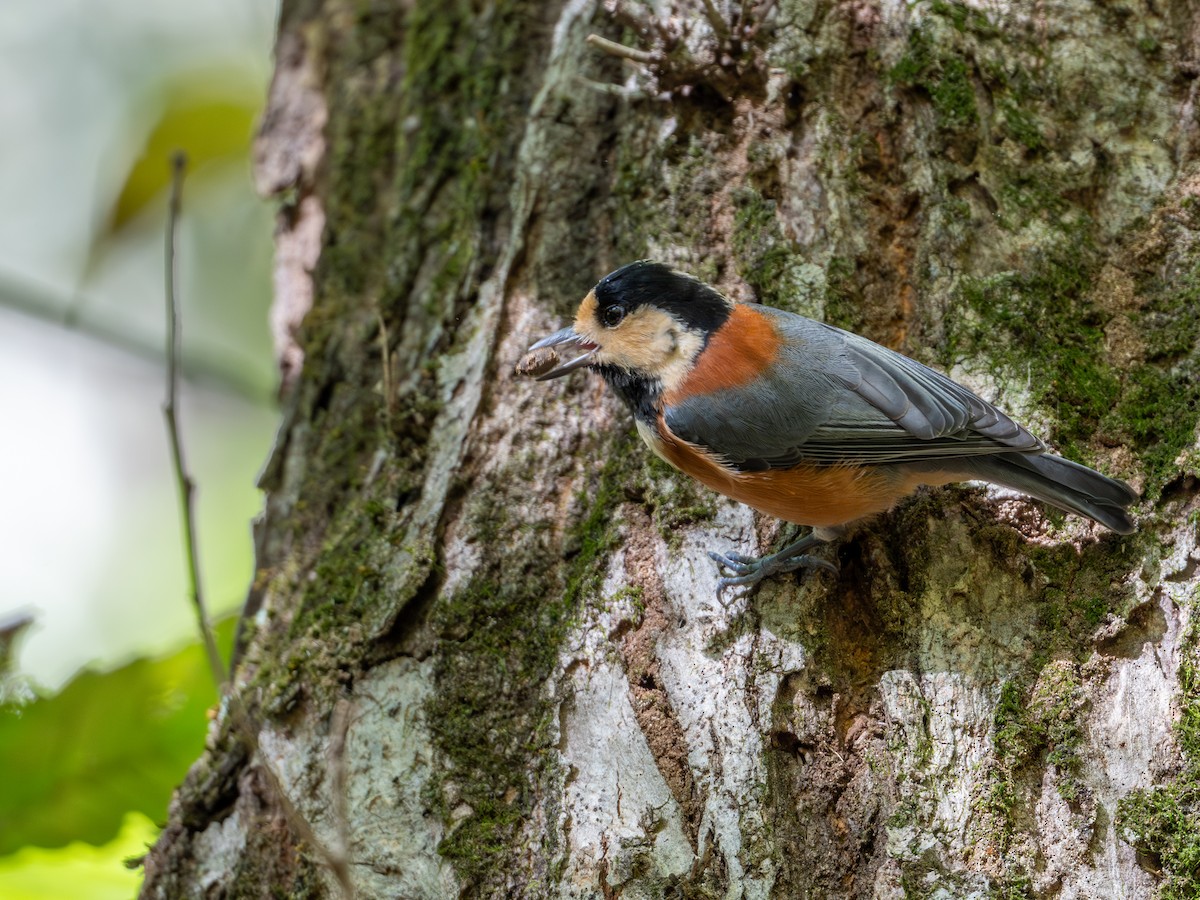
column 577, row 350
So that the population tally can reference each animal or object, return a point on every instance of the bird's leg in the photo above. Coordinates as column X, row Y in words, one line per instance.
column 751, row 570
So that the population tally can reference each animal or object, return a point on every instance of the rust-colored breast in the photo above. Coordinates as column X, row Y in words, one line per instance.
column 736, row 353
column 804, row 495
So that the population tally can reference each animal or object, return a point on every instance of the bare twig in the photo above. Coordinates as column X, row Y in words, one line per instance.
column 386, row 350
column 615, row 49
column 11, row 627
column 337, row 860
column 760, row 16
column 243, row 725
column 37, row 301
column 182, row 478
column 339, row 728
column 719, row 26
column 614, row 90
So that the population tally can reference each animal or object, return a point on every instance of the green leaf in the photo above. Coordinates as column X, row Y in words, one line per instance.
column 108, row 743
column 208, row 115
column 80, row 870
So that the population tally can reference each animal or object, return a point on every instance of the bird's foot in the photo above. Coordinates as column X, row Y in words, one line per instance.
column 750, row 570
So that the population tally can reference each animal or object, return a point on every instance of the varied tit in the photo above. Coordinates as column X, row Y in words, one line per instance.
column 798, row 419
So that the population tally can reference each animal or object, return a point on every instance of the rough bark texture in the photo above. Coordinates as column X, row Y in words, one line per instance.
column 514, row 599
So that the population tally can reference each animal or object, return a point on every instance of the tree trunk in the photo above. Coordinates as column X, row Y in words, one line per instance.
column 484, row 652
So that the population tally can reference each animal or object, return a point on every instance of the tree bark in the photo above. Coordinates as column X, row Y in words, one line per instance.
column 510, row 599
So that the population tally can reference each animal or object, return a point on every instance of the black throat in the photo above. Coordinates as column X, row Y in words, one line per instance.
column 641, row 395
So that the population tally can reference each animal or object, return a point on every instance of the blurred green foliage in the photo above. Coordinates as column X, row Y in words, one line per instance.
column 108, row 743
column 80, row 870
column 210, row 115
column 96, row 98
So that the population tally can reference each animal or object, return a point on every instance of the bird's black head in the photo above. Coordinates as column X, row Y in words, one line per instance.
column 643, row 325
column 692, row 303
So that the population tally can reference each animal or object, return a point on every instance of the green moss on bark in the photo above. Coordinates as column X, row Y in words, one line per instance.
column 1041, row 724
column 1159, row 411
column 673, row 500
column 1164, row 822
column 763, row 256
column 501, row 637
column 1046, row 328
column 935, row 64
column 1037, row 325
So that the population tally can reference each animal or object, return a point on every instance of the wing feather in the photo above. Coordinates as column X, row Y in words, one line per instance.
column 832, row 397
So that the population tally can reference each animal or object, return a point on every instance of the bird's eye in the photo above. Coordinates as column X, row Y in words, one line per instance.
column 611, row 316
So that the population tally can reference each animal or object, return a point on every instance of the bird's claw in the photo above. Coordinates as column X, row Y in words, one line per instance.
column 749, row 570
column 734, row 561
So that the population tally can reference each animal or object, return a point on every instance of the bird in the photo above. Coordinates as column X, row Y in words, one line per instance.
column 796, row 418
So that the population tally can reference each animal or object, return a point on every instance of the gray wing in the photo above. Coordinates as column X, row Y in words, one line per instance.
column 835, row 397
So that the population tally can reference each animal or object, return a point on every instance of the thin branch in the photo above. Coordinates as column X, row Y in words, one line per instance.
column 615, row 49
column 760, row 16
column 46, row 304
column 339, row 728
column 242, row 723
column 716, row 20
column 183, row 479
column 614, row 90
column 336, row 861
column 385, row 344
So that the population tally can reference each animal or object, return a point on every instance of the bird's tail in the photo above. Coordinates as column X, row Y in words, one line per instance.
column 1062, row 483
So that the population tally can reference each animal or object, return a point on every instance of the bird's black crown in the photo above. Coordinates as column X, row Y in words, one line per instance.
column 647, row 283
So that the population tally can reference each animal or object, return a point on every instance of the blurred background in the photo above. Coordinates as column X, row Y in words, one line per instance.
column 103, row 691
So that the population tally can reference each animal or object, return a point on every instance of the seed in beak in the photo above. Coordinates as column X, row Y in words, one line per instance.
column 577, row 350
column 537, row 362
